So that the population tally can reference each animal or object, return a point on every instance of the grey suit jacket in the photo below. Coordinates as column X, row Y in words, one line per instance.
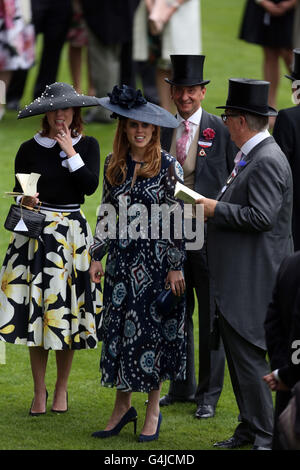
column 249, row 236
column 211, row 171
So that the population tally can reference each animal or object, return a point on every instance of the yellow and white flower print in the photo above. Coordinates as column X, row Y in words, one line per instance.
column 54, row 319
column 10, row 289
column 46, row 296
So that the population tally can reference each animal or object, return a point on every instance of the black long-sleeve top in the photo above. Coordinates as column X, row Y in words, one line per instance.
column 57, row 184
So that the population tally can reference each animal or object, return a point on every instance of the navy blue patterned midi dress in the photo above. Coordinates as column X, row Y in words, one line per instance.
column 140, row 347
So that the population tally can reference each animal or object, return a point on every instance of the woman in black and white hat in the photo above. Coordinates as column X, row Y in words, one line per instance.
column 48, row 301
column 141, row 347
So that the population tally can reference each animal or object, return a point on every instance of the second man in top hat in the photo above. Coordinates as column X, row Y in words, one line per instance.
column 287, row 135
column 202, row 145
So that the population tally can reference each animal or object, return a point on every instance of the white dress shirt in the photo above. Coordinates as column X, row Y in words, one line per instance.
column 194, row 121
column 255, row 140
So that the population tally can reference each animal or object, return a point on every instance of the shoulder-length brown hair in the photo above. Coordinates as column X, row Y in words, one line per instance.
column 117, row 167
column 76, row 126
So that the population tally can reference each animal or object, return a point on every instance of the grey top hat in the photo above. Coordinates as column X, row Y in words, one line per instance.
column 246, row 94
column 187, row 70
column 295, row 75
column 127, row 102
column 58, row 95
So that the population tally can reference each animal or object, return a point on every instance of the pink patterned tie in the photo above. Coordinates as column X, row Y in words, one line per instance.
column 181, row 143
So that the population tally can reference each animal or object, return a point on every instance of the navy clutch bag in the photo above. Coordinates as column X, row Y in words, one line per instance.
column 166, row 301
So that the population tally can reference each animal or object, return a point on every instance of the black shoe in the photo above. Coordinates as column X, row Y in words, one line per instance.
column 32, row 413
column 130, row 415
column 205, row 411
column 232, row 443
column 260, row 448
column 166, row 400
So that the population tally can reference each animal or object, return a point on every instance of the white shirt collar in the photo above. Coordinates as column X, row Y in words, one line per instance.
column 48, row 143
column 255, row 140
column 194, row 118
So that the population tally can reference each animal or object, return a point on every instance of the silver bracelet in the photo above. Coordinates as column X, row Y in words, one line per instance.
column 258, row 1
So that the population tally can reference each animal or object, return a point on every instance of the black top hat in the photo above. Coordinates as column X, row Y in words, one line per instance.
column 187, row 70
column 246, row 94
column 127, row 102
column 58, row 95
column 296, row 66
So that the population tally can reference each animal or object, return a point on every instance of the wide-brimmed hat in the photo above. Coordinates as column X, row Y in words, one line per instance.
column 127, row 102
column 187, row 70
column 295, row 74
column 246, row 94
column 58, row 95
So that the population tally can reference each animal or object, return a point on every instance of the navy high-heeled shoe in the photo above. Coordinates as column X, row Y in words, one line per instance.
column 33, row 413
column 130, row 415
column 152, row 437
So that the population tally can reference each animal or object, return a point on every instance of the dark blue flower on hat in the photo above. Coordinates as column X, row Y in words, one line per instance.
column 126, row 97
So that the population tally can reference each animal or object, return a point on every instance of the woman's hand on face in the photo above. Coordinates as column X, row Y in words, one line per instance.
column 176, row 281
column 64, row 139
column 96, row 271
column 30, row 201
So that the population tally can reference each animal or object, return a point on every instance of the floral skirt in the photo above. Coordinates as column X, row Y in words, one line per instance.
column 46, row 296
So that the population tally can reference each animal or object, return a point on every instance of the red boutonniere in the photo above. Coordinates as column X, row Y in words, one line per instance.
column 208, row 135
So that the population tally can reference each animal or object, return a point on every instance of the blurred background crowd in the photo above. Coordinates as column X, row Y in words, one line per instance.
column 127, row 41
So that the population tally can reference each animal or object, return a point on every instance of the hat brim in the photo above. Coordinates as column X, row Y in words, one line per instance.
column 270, row 112
column 187, row 82
column 44, row 105
column 149, row 112
column 292, row 78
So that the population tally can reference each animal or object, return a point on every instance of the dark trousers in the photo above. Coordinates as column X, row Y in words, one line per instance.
column 52, row 18
column 247, row 365
column 211, row 363
column 281, row 402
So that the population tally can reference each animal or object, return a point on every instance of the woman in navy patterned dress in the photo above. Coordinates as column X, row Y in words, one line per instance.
column 140, row 347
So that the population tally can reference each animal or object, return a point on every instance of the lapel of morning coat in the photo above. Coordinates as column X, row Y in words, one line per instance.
column 249, row 158
column 201, row 160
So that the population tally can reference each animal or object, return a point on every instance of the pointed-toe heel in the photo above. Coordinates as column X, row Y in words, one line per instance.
column 33, row 413
column 62, row 411
column 152, row 437
column 129, row 416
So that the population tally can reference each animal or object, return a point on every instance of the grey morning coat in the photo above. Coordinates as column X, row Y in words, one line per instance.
column 249, row 236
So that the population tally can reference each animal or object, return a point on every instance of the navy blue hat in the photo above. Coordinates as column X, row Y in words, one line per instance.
column 246, row 94
column 58, row 95
column 127, row 102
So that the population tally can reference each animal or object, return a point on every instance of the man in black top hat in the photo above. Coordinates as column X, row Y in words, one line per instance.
column 206, row 154
column 248, row 235
column 287, row 135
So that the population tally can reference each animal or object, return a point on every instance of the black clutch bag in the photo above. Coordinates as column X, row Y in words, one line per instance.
column 166, row 301
column 25, row 221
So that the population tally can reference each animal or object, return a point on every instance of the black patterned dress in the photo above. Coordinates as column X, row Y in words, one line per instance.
column 140, row 347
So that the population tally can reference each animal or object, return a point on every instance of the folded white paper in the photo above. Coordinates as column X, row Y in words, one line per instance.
column 28, row 182
column 186, row 194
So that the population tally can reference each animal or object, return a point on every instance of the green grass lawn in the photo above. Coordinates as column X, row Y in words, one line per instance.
column 89, row 404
